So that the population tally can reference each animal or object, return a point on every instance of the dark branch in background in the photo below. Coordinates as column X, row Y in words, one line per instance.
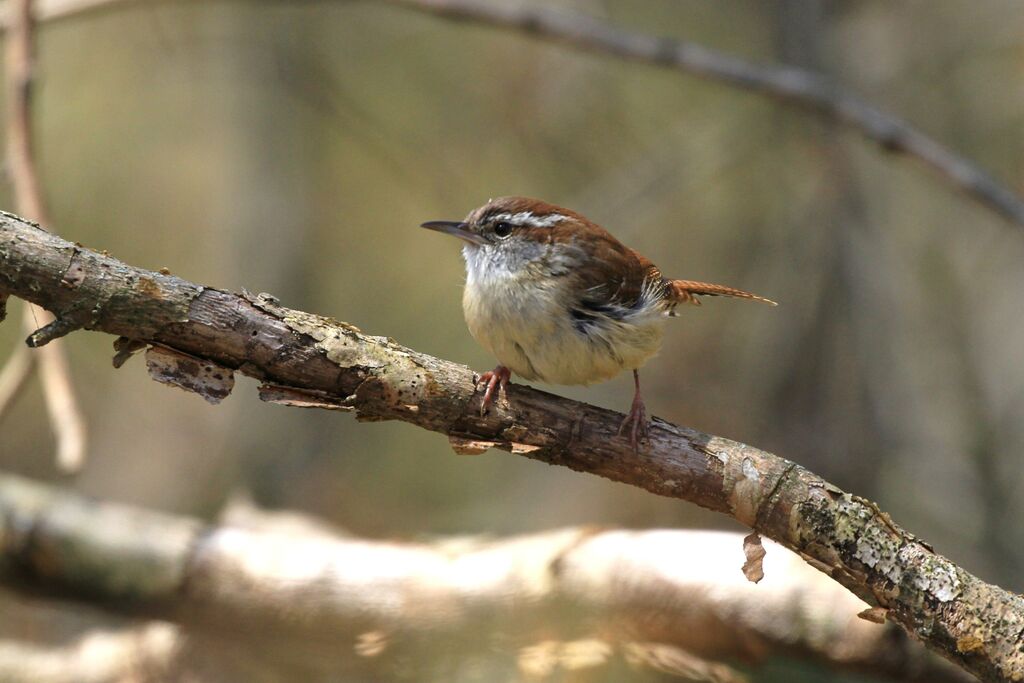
column 652, row 597
column 51, row 362
column 201, row 336
column 790, row 85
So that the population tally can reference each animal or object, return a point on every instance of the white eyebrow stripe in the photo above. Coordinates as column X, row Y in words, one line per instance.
column 528, row 218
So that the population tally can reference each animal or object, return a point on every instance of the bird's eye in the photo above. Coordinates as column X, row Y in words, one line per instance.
column 503, row 229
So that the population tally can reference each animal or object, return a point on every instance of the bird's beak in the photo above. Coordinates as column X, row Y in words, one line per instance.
column 455, row 228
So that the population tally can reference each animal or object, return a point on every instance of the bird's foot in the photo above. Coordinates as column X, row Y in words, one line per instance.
column 636, row 424
column 496, row 381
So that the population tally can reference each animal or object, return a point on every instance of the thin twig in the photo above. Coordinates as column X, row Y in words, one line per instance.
column 16, row 372
column 791, row 85
column 62, row 407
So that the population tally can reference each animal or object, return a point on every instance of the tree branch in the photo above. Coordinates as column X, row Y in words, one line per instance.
column 205, row 334
column 15, row 375
column 791, row 85
column 51, row 363
column 629, row 592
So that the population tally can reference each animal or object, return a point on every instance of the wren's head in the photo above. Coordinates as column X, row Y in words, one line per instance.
column 511, row 235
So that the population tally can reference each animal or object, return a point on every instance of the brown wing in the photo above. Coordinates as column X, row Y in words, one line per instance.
column 687, row 291
column 611, row 276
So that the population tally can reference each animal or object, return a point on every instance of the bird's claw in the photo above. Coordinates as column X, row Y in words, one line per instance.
column 636, row 420
column 496, row 379
column 637, row 424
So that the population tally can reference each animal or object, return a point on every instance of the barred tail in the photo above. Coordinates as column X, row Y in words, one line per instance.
column 687, row 291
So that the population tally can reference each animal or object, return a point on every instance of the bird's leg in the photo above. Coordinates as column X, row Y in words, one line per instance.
column 496, row 379
column 637, row 418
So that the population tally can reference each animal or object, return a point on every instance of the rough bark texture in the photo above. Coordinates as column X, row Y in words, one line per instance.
column 262, row 578
column 306, row 359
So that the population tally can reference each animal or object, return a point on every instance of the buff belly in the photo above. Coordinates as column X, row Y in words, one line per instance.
column 531, row 331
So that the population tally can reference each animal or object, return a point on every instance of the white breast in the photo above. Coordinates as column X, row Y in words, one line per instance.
column 525, row 321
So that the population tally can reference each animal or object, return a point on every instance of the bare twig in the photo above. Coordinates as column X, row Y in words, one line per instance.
column 19, row 47
column 15, row 373
column 616, row 589
column 65, row 416
column 308, row 360
column 791, row 85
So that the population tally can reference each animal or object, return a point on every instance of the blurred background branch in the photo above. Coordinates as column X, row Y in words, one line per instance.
column 276, row 581
column 789, row 84
column 50, row 362
column 792, row 85
column 140, row 654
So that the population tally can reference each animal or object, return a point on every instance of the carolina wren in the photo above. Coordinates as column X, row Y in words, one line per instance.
column 557, row 298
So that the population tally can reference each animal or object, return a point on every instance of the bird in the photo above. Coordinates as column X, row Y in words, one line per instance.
column 555, row 297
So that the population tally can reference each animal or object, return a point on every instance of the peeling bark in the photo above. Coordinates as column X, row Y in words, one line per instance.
column 977, row 625
column 211, row 381
column 754, row 552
